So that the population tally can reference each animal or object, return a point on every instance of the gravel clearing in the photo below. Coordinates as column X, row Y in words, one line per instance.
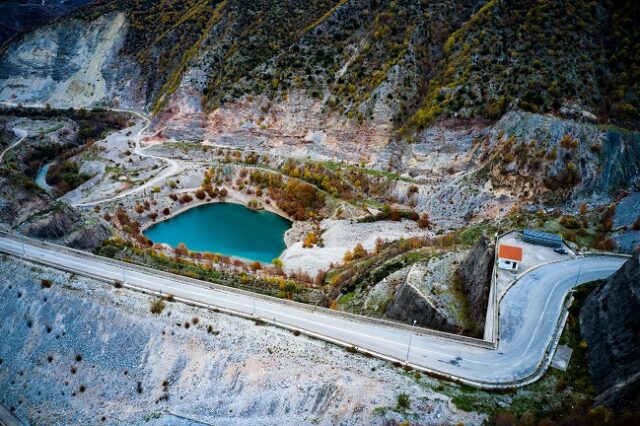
column 341, row 235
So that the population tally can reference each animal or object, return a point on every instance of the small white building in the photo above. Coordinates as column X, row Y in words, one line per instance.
column 509, row 257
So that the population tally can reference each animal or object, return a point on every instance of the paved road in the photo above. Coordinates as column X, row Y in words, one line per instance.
column 7, row 418
column 19, row 133
column 529, row 316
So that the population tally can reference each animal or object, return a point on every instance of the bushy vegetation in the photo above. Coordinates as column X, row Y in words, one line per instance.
column 213, row 268
column 271, row 47
column 536, row 55
column 162, row 38
column 387, row 35
column 65, row 176
column 403, row 401
column 157, row 306
column 298, row 199
column 257, row 31
column 431, row 59
column 92, row 125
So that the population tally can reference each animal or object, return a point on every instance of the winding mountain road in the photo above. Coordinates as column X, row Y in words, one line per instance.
column 173, row 165
column 172, row 170
column 531, row 315
column 22, row 134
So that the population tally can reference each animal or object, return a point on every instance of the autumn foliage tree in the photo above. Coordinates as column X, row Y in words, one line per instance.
column 425, row 222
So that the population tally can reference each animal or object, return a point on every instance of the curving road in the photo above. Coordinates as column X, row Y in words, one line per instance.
column 173, row 165
column 530, row 315
column 22, row 134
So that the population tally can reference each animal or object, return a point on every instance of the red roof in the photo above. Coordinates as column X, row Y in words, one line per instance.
column 510, row 252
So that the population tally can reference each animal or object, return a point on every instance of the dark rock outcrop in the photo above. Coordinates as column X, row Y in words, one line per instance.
column 610, row 324
column 409, row 305
column 26, row 209
column 89, row 237
column 475, row 275
column 52, row 225
column 66, row 226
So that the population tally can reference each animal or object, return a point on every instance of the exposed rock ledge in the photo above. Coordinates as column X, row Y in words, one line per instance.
column 409, row 305
column 610, row 324
column 475, row 275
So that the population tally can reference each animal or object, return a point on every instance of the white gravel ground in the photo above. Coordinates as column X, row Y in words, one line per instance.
column 240, row 374
column 339, row 236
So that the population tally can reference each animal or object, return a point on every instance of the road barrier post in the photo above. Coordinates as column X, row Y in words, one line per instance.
column 408, row 349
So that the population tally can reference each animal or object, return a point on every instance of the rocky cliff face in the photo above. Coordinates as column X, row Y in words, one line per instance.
column 67, row 226
column 475, row 275
column 27, row 209
column 410, row 305
column 534, row 155
column 37, row 215
column 72, row 63
column 610, row 324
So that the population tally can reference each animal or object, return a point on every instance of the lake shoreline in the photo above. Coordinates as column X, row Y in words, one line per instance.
column 230, row 229
column 233, row 197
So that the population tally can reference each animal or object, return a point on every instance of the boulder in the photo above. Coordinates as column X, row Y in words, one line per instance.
column 610, row 325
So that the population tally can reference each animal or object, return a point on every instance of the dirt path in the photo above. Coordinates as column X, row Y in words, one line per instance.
column 22, row 134
column 172, row 170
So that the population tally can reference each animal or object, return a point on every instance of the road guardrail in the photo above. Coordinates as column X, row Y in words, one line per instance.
column 206, row 284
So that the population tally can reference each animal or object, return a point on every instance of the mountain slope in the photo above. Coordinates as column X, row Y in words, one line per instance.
column 357, row 67
column 572, row 58
column 24, row 15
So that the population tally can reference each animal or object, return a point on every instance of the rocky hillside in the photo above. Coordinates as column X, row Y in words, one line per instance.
column 474, row 274
column 413, row 87
column 570, row 58
column 80, row 351
column 17, row 17
column 29, row 209
column 611, row 328
column 365, row 60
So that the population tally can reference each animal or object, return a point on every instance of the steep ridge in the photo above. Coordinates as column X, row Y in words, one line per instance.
column 25, row 15
column 364, row 60
column 569, row 58
column 68, row 64
column 611, row 328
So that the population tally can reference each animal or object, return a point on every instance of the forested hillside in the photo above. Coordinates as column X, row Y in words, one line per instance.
column 543, row 56
column 402, row 62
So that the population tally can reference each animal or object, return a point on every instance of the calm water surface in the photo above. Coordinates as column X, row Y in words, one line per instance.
column 225, row 228
column 41, row 178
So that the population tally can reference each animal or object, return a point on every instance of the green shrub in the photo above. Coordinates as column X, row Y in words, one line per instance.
column 157, row 306
column 403, row 401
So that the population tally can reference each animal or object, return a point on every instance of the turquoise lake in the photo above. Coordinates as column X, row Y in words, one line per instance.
column 41, row 178
column 225, row 228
